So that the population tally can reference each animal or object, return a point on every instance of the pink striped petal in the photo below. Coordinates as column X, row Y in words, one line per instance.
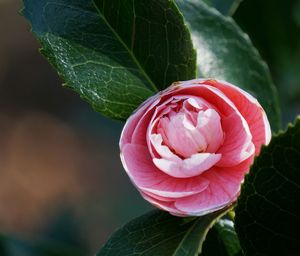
column 238, row 144
column 232, row 123
column 250, row 109
column 220, row 193
column 163, row 205
column 143, row 173
column 135, row 119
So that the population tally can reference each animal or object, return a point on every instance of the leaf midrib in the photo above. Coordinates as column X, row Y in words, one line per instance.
column 211, row 222
column 126, row 47
column 185, row 236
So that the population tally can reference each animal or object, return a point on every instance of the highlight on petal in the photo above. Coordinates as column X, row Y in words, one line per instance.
column 209, row 124
column 162, row 150
column 189, row 167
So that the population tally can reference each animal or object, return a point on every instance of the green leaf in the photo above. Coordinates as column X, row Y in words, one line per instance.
column 222, row 240
column 114, row 53
column 225, row 52
column 159, row 233
column 268, row 209
column 226, row 7
column 276, row 33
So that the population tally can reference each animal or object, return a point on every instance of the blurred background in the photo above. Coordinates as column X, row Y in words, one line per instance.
column 61, row 180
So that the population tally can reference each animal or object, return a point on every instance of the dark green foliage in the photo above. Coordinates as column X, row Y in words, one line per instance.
column 268, row 210
column 115, row 54
column 222, row 240
column 161, row 234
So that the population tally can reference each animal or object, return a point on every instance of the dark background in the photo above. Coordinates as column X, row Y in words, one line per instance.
column 61, row 179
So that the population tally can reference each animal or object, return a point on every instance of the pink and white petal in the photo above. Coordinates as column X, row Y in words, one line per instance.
column 203, row 203
column 158, row 124
column 139, row 134
column 191, row 106
column 209, row 125
column 220, row 193
column 162, row 150
column 154, row 124
column 250, row 109
column 160, row 198
column 163, row 205
column 179, row 137
column 237, row 172
column 140, row 130
column 134, row 119
column 221, row 103
column 195, row 102
column 195, row 134
column 238, row 144
column 147, row 177
column 190, row 167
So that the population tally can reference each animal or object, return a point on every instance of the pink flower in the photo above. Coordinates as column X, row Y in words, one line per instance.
column 188, row 148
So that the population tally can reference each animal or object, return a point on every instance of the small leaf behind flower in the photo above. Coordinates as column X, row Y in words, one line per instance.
column 268, row 209
column 226, row 7
column 161, row 234
column 222, row 240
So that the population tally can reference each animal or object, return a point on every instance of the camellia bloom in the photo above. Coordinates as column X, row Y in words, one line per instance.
column 188, row 148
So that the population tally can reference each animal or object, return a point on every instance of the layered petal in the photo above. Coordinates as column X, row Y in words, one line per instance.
column 238, row 144
column 189, row 167
column 188, row 148
column 209, row 125
column 220, row 193
column 164, row 205
column 181, row 135
column 250, row 109
column 143, row 173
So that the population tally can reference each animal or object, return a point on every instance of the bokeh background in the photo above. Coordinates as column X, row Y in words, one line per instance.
column 61, row 181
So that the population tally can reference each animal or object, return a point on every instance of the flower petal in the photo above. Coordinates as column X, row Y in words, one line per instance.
column 137, row 119
column 162, row 150
column 209, row 125
column 164, row 205
column 190, row 167
column 220, row 192
column 250, row 109
column 181, row 135
column 147, row 177
column 238, row 144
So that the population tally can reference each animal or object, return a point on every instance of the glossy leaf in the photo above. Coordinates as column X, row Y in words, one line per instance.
column 268, row 210
column 226, row 7
column 225, row 52
column 222, row 240
column 159, row 233
column 115, row 53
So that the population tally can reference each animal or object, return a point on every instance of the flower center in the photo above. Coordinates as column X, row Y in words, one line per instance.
column 190, row 127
